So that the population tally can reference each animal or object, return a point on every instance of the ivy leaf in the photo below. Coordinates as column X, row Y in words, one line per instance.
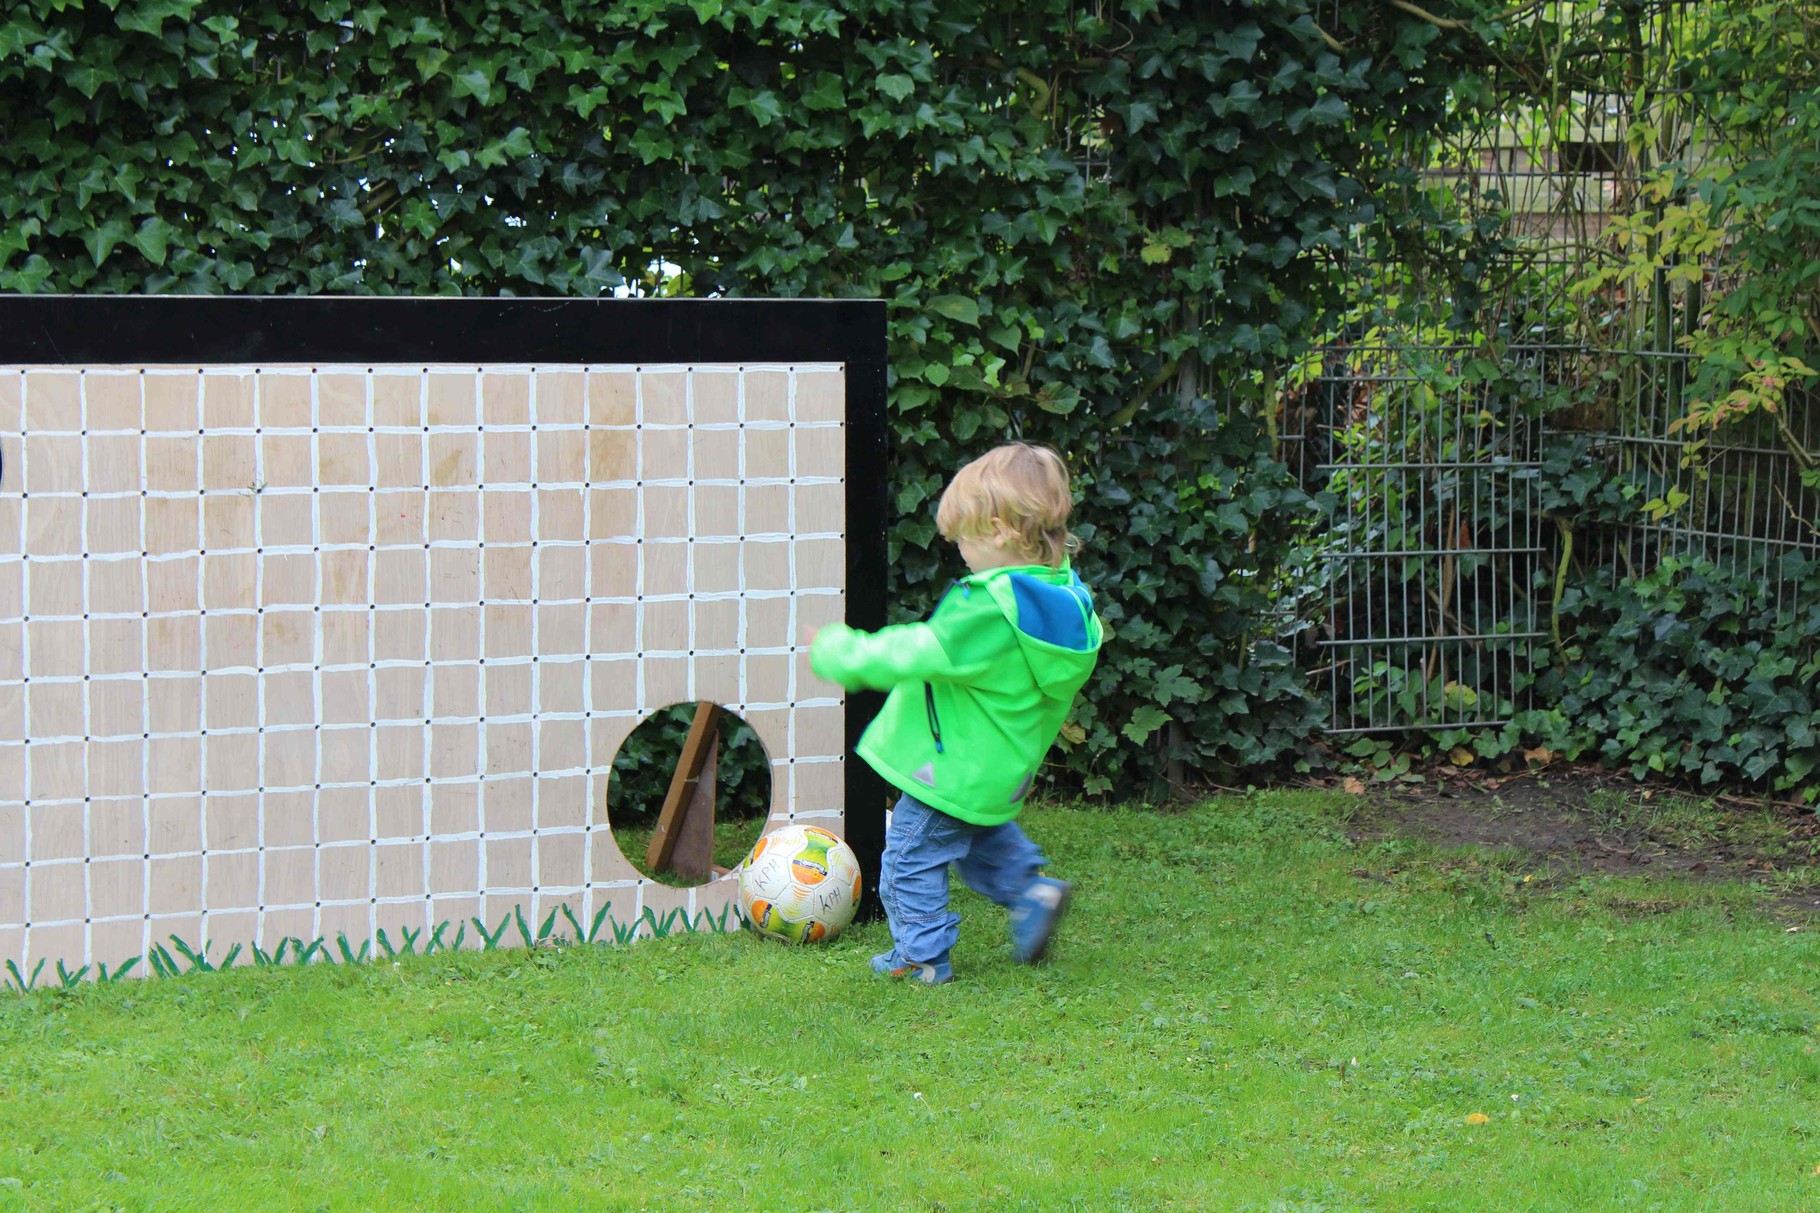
column 16, row 238
column 598, row 269
column 1173, row 685
column 1330, row 110
column 652, row 146
column 473, row 83
column 896, row 87
column 28, row 278
column 429, row 60
column 968, row 377
column 764, row 106
column 1240, row 42
column 912, row 396
column 90, row 77
column 1138, row 113
column 102, row 240
column 959, row 308
column 153, row 239
column 149, row 16
column 826, row 93
column 1145, row 721
column 515, row 146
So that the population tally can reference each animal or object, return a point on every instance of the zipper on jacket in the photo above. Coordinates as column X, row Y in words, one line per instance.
column 935, row 724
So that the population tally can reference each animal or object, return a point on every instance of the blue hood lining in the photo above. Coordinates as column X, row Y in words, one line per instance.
column 1054, row 614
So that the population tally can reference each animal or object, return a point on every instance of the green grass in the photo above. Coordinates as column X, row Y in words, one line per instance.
column 1245, row 1012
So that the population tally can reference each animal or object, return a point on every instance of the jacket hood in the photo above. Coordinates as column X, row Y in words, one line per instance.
column 1051, row 610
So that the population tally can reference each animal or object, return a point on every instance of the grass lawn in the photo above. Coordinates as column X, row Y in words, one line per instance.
column 1246, row 1011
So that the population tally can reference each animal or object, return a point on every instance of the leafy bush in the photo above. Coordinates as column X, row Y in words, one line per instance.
column 1690, row 669
column 1200, row 537
column 1076, row 212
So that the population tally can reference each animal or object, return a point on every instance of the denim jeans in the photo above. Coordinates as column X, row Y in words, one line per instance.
column 998, row 862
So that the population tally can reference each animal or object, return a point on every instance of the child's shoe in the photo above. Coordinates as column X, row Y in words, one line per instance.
column 1034, row 916
column 890, row 964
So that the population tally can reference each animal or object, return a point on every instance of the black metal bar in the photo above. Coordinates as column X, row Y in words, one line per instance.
column 868, row 521
column 179, row 330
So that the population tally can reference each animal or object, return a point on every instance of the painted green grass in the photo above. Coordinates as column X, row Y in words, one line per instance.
column 1245, row 1012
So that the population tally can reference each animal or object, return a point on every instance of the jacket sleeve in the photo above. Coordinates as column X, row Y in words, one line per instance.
column 957, row 645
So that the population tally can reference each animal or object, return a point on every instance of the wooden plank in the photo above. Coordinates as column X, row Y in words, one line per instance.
column 693, row 855
column 697, row 748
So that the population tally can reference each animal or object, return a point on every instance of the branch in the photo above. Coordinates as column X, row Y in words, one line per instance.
column 1044, row 89
column 1423, row 14
column 1789, row 506
column 1521, row 9
column 1123, row 416
column 1567, row 554
column 1518, row 10
column 1803, row 457
column 381, row 200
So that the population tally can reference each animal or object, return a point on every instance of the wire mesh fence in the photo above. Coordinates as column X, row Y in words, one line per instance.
column 1434, row 538
column 1741, row 502
column 1431, row 411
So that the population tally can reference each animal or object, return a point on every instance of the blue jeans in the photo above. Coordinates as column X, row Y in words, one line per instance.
column 998, row 862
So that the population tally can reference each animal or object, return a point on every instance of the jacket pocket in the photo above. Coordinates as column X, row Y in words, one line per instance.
column 935, row 721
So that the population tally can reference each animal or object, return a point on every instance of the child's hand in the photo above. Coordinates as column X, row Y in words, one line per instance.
column 810, row 632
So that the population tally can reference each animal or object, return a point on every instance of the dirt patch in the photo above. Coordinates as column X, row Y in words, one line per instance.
column 1570, row 821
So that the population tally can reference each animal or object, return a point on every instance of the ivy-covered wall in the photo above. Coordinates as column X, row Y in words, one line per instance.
column 1087, row 217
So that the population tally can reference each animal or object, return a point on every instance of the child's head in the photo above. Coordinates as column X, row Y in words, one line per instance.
column 1009, row 506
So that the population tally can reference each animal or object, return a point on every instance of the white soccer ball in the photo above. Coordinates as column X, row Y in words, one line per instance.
column 800, row 884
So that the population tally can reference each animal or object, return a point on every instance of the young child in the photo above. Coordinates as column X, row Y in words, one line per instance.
column 978, row 694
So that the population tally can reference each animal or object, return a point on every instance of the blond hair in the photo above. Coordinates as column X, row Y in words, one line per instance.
column 1021, row 486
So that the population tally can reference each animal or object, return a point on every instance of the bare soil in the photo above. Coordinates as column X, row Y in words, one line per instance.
column 1577, row 820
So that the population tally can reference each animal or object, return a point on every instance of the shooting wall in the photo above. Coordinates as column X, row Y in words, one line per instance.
column 296, row 646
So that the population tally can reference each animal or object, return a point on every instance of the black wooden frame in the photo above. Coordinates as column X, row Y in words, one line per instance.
column 39, row 330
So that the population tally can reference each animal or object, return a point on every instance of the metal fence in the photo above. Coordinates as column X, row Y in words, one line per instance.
column 1741, row 503
column 1441, row 555
column 1434, row 542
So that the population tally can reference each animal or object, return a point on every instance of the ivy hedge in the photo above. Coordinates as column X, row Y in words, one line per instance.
column 1692, row 672
column 1695, row 662
column 1086, row 219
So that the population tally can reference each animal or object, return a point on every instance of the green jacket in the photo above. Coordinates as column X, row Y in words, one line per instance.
column 978, row 692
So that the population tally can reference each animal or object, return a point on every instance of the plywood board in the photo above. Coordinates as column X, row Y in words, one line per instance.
column 303, row 650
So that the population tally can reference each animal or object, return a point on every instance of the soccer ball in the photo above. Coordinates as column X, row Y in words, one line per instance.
column 800, row 884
